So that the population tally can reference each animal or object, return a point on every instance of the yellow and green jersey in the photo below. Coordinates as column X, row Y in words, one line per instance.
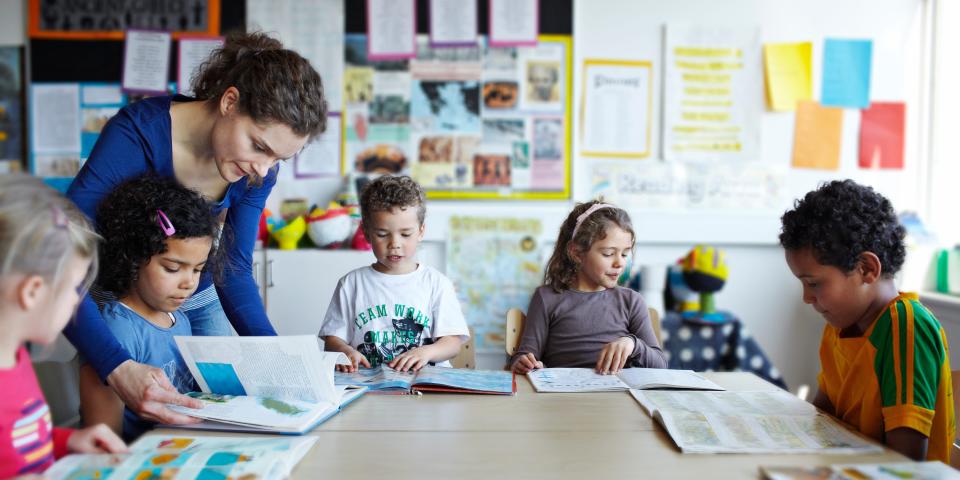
column 896, row 375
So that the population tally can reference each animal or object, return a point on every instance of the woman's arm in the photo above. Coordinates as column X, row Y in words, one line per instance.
column 237, row 290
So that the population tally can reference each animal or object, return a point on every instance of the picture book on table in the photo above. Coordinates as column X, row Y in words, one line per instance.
column 268, row 384
column 773, row 421
column 188, row 458
column 383, row 379
column 930, row 470
column 575, row 380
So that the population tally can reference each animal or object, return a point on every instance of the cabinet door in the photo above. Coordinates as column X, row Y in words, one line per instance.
column 300, row 283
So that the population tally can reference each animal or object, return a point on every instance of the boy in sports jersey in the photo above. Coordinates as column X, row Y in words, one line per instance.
column 884, row 363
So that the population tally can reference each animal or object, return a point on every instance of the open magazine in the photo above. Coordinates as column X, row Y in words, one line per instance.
column 930, row 470
column 272, row 384
column 384, row 379
column 575, row 380
column 183, row 457
column 748, row 422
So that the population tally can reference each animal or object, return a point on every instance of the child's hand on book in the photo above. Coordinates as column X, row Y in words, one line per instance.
column 614, row 355
column 96, row 439
column 356, row 360
column 413, row 359
column 526, row 362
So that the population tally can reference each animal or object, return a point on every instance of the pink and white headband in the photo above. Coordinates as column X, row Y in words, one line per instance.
column 583, row 216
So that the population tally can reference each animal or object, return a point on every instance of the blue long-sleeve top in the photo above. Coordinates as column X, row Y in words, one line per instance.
column 137, row 141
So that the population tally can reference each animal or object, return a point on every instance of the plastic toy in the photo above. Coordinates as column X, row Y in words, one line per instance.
column 705, row 271
column 331, row 227
column 288, row 234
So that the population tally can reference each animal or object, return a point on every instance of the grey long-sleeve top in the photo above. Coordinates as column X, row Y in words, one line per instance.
column 568, row 329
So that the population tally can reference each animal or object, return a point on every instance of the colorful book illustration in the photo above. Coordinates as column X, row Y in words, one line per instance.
column 182, row 457
column 271, row 384
column 748, row 422
column 576, row 380
column 431, row 379
column 930, row 470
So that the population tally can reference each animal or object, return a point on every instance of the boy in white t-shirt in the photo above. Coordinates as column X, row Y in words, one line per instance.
column 396, row 311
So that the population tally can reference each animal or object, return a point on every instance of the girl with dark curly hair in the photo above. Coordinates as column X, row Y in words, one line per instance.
column 158, row 238
column 255, row 104
column 580, row 312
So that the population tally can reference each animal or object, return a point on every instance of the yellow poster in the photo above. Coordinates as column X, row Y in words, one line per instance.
column 787, row 70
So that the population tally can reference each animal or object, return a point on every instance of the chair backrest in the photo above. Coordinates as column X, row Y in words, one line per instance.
column 467, row 358
column 655, row 323
column 515, row 319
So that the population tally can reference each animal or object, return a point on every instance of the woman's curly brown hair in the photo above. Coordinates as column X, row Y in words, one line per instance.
column 275, row 84
column 127, row 220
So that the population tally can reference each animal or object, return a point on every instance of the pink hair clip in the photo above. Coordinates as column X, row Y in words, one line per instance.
column 583, row 216
column 165, row 223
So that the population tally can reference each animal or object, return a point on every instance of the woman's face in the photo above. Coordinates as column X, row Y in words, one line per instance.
column 245, row 148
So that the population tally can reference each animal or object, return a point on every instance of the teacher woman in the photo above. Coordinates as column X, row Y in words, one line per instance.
column 256, row 104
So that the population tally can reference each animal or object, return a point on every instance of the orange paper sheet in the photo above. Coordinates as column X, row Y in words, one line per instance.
column 881, row 135
column 816, row 136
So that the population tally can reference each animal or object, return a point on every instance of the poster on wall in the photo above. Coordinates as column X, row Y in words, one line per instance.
column 11, row 110
column 617, row 108
column 495, row 264
column 465, row 122
column 713, row 93
column 94, row 20
column 66, row 120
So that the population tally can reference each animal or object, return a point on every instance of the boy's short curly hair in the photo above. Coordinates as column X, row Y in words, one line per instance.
column 127, row 220
column 841, row 220
column 388, row 192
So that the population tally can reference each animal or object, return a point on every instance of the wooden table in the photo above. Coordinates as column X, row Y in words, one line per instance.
column 530, row 435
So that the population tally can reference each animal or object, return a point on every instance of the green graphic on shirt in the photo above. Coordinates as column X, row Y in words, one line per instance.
column 381, row 346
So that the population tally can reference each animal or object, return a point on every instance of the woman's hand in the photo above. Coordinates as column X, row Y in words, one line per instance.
column 146, row 391
column 526, row 362
column 614, row 355
column 96, row 439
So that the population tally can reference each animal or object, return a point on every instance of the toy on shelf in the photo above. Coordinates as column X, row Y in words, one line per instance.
column 287, row 234
column 330, row 228
column 677, row 295
column 705, row 272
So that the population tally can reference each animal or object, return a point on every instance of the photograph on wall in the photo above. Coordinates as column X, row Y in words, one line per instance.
column 456, row 119
column 11, row 109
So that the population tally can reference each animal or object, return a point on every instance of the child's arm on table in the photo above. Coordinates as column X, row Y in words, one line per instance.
column 535, row 330
column 414, row 359
column 98, row 402
column 908, row 442
column 333, row 343
column 641, row 346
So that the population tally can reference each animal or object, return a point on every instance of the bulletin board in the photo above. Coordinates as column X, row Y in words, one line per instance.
column 740, row 202
column 104, row 20
column 473, row 122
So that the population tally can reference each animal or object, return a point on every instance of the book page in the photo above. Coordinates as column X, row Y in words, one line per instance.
column 466, row 379
column 381, row 377
column 284, row 368
column 748, row 422
column 259, row 412
column 557, row 380
column 645, row 378
column 190, row 458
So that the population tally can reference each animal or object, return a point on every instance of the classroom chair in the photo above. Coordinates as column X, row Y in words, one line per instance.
column 516, row 318
column 467, row 358
column 955, row 450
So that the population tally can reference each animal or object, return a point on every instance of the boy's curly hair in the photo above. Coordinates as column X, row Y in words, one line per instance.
column 841, row 220
column 127, row 220
column 388, row 192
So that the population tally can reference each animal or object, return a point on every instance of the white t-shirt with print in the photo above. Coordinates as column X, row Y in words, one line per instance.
column 383, row 316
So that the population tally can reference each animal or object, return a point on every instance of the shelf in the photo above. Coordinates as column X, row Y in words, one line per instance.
column 945, row 306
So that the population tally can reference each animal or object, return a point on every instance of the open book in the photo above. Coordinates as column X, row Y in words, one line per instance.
column 748, row 422
column 272, row 384
column 431, row 379
column 182, row 457
column 575, row 380
column 930, row 470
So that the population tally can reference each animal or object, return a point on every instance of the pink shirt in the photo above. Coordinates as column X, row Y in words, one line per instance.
column 28, row 441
